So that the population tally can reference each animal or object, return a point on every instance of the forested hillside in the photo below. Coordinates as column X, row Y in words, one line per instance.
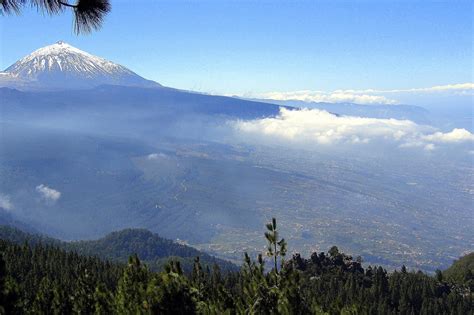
column 154, row 250
column 462, row 271
column 44, row 279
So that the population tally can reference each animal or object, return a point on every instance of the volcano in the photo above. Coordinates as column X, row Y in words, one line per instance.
column 62, row 66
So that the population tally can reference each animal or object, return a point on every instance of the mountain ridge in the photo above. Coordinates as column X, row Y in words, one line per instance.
column 117, row 246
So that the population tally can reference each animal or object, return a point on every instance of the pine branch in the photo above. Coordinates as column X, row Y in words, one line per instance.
column 89, row 14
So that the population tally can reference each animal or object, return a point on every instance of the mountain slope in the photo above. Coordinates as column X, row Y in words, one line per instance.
column 62, row 66
column 129, row 102
column 118, row 246
column 6, row 218
column 150, row 247
column 462, row 270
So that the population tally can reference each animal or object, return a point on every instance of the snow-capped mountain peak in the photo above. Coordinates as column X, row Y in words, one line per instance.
column 63, row 66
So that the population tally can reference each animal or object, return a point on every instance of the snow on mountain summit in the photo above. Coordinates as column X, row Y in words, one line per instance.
column 63, row 57
column 63, row 66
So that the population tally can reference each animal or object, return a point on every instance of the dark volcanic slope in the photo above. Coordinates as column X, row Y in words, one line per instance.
column 159, row 101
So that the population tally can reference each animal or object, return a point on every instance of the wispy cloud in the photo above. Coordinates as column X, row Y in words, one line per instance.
column 47, row 193
column 321, row 127
column 156, row 156
column 5, row 202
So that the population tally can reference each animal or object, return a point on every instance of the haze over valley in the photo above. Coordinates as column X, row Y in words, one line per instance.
column 236, row 157
column 88, row 147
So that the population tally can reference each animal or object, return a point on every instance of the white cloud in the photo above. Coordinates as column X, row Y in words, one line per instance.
column 156, row 156
column 429, row 147
column 48, row 193
column 326, row 128
column 328, row 97
column 437, row 88
column 5, row 202
column 456, row 135
column 366, row 96
column 322, row 127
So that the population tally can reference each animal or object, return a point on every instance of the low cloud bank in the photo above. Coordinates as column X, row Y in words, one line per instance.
column 323, row 128
column 47, row 193
column 366, row 96
column 328, row 97
column 459, row 87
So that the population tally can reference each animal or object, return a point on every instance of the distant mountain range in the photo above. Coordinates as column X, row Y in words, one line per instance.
column 62, row 66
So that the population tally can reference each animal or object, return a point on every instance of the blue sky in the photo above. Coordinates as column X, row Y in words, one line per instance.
column 252, row 47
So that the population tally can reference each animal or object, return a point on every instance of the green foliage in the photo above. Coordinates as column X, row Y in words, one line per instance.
column 103, row 300
column 8, row 290
column 462, row 271
column 130, row 297
column 45, row 279
column 152, row 249
column 170, row 292
column 276, row 248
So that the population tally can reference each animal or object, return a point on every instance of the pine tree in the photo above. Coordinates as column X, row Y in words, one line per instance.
column 170, row 292
column 8, row 290
column 276, row 248
column 46, row 281
column 44, row 297
column 88, row 14
column 83, row 298
column 103, row 300
column 131, row 289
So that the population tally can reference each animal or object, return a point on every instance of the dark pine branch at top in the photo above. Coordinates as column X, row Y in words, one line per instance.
column 88, row 14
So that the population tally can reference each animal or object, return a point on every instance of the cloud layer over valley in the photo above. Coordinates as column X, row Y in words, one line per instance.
column 339, row 96
column 319, row 127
